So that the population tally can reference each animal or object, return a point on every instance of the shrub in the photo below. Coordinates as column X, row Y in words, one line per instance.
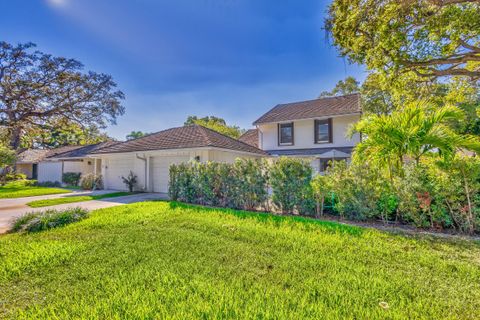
column 321, row 188
column 21, row 183
column 49, row 184
column 290, row 183
column 456, row 186
column 14, row 176
column 71, row 178
column 7, row 160
column 181, row 183
column 241, row 185
column 39, row 221
column 130, row 181
column 91, row 182
column 249, row 181
column 361, row 192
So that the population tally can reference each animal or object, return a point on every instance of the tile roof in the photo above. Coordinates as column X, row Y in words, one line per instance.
column 250, row 137
column 81, row 151
column 32, row 155
column 322, row 107
column 38, row 155
column 193, row 136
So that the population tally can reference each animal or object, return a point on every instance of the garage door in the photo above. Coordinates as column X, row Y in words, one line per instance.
column 160, row 171
column 50, row 171
column 116, row 168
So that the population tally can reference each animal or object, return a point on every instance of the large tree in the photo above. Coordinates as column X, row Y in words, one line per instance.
column 216, row 124
column 432, row 38
column 38, row 90
column 343, row 87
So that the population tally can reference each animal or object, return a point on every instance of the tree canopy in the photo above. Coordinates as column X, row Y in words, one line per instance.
column 135, row 135
column 343, row 87
column 432, row 38
column 216, row 124
column 38, row 91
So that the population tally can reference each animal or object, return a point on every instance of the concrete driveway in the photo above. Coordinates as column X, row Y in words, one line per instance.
column 12, row 208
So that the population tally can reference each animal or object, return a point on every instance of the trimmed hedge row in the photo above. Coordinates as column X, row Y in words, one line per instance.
column 429, row 194
column 246, row 184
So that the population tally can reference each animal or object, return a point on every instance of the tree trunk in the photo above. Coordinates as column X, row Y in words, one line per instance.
column 15, row 138
column 471, row 220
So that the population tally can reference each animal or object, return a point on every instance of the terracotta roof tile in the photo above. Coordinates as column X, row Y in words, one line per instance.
column 81, row 151
column 193, row 136
column 250, row 137
column 322, row 107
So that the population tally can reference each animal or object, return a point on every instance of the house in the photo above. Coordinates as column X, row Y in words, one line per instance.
column 50, row 164
column 250, row 137
column 150, row 157
column 313, row 129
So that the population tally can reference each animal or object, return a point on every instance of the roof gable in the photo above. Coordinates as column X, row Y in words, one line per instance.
column 323, row 107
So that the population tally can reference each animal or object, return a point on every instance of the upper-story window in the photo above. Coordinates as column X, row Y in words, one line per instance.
column 323, row 131
column 285, row 134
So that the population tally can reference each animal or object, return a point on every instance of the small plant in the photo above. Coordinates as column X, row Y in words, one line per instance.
column 49, row 219
column 91, row 182
column 14, row 176
column 130, row 181
column 49, row 184
column 71, row 178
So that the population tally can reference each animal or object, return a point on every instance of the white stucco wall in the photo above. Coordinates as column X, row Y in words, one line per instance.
column 304, row 133
column 114, row 166
column 84, row 166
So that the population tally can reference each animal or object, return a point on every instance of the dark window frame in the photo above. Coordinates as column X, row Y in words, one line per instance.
column 330, row 130
column 279, row 131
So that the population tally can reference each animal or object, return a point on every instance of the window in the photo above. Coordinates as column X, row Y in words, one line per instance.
column 285, row 133
column 323, row 131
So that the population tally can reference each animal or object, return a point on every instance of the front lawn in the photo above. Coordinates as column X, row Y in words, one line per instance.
column 166, row 260
column 56, row 201
column 19, row 190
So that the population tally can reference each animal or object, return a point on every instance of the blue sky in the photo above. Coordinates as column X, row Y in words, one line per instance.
column 173, row 58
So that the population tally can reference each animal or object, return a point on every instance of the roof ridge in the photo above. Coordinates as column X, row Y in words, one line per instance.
column 319, row 98
column 204, row 133
column 222, row 134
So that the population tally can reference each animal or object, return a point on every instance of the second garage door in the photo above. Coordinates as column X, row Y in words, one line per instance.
column 160, row 171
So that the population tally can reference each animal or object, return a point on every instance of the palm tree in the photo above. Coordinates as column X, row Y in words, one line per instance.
column 410, row 133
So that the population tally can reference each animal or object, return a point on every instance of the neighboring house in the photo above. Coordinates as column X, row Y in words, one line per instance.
column 313, row 129
column 50, row 164
column 150, row 157
column 250, row 137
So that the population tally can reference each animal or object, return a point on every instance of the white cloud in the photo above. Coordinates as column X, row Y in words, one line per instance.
column 57, row 3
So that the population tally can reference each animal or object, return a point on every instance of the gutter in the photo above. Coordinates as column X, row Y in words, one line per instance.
column 144, row 159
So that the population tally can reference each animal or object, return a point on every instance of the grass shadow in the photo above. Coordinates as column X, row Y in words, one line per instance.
column 265, row 217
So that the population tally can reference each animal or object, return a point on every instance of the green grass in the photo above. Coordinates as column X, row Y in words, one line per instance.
column 56, row 201
column 19, row 190
column 166, row 260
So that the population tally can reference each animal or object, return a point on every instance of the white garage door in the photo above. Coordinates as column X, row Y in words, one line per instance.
column 116, row 168
column 160, row 171
column 50, row 171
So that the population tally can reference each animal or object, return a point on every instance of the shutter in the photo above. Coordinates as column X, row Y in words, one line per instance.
column 330, row 130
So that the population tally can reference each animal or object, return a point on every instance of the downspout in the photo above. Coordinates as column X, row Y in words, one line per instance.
column 261, row 138
column 144, row 159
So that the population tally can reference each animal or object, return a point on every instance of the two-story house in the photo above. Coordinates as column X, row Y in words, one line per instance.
column 314, row 129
